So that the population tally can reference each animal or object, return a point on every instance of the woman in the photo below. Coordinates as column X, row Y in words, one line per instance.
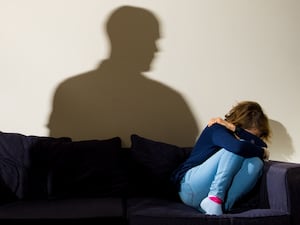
column 227, row 160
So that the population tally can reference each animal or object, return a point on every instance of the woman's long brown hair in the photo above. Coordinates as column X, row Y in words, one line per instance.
column 247, row 115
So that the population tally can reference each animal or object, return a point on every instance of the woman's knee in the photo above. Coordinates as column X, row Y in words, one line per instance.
column 227, row 153
column 254, row 166
column 230, row 158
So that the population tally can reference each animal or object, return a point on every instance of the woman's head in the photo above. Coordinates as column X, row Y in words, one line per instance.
column 250, row 116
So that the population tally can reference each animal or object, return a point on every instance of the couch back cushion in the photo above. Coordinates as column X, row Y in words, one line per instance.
column 152, row 163
column 85, row 168
column 19, row 173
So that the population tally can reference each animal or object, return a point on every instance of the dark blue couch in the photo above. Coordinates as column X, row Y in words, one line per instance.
column 59, row 181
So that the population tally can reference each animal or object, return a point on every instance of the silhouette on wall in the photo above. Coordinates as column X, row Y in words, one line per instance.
column 116, row 99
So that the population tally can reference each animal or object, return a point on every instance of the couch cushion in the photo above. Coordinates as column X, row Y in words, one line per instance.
column 148, row 211
column 85, row 168
column 64, row 211
column 152, row 164
column 16, row 153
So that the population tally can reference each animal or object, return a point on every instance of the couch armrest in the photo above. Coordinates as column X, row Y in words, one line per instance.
column 283, row 185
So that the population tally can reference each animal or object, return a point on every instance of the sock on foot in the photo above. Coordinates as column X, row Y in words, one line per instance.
column 212, row 205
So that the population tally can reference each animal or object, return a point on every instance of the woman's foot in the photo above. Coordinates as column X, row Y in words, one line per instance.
column 212, row 205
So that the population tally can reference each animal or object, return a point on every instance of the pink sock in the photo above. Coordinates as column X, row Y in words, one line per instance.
column 216, row 199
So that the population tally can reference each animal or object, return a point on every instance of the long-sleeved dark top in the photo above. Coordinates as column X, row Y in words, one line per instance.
column 211, row 140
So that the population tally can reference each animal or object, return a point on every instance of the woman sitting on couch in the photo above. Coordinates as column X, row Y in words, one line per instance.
column 226, row 161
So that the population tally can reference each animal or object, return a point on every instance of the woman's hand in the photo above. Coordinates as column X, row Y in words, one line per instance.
column 222, row 122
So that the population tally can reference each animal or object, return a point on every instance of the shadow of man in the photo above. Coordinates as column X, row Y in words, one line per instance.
column 116, row 99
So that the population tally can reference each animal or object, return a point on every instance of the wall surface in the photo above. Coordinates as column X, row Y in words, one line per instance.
column 61, row 74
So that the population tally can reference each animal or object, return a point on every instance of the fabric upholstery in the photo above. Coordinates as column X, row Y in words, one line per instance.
column 84, row 168
column 152, row 165
column 16, row 154
column 60, row 181
column 64, row 211
column 148, row 211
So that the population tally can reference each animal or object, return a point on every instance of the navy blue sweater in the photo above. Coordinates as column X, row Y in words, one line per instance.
column 211, row 140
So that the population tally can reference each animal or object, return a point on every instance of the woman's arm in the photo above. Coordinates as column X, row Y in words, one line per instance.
column 223, row 122
column 241, row 133
column 224, row 138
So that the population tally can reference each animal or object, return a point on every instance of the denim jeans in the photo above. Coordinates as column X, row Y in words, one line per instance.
column 225, row 175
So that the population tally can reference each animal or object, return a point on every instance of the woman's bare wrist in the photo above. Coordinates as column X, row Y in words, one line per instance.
column 223, row 122
column 232, row 127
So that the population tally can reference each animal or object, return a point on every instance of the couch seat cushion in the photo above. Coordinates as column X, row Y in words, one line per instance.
column 149, row 211
column 75, row 211
column 260, row 216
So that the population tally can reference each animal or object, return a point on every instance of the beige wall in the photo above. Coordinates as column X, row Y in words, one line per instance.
column 211, row 55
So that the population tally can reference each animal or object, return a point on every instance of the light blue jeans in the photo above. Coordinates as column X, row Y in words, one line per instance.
column 225, row 175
